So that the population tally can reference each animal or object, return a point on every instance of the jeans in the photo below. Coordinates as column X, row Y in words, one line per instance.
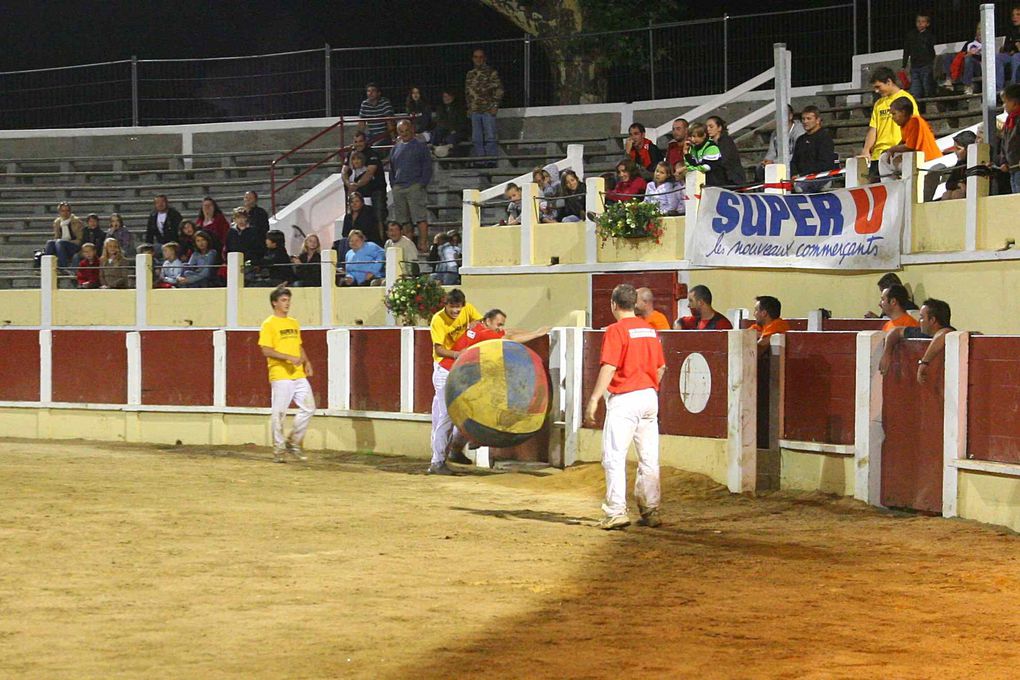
column 441, row 136
column 971, row 68
column 483, row 134
column 922, row 82
column 1001, row 60
column 64, row 250
column 1014, row 181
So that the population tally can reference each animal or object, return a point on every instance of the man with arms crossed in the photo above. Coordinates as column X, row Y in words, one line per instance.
column 632, row 366
column 289, row 370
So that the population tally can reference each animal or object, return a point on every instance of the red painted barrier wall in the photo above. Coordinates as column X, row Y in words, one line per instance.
column 861, row 324
column 993, row 414
column 819, row 398
column 19, row 365
column 662, row 284
column 248, row 377
column 423, row 390
column 590, row 353
column 375, row 369
column 90, row 367
column 177, row 367
column 795, row 324
column 913, row 418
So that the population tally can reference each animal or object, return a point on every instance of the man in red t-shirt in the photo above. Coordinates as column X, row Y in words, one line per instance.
column 632, row 366
column 703, row 316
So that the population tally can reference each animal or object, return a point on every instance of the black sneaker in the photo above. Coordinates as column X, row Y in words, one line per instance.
column 439, row 469
column 459, row 458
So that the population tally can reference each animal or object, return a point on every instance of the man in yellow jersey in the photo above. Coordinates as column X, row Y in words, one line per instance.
column 883, row 132
column 448, row 324
column 289, row 370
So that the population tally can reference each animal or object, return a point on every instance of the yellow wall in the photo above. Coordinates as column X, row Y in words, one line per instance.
column 20, row 308
column 202, row 307
column 938, row 226
column 533, row 300
column 305, row 306
column 693, row 454
column 563, row 240
column 495, row 246
column 94, row 307
column 997, row 221
column 359, row 306
column 993, row 499
column 809, row 471
column 647, row 250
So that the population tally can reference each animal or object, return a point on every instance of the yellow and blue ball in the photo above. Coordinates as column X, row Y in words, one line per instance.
column 497, row 393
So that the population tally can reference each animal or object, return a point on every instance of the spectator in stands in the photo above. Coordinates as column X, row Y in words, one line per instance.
column 675, row 148
column 456, row 244
column 664, row 193
column 1009, row 141
column 372, row 183
column 645, row 309
column 164, row 221
column 365, row 262
column 275, row 268
column 643, row 151
column 408, row 251
column 512, row 194
column 731, row 165
column 443, row 259
column 813, row 152
column 483, row 91
column 451, row 124
column 245, row 239
column 88, row 267
column 703, row 156
column 883, row 133
column 172, row 268
column 630, row 185
column 124, row 237
column 956, row 181
column 258, row 218
column 572, row 199
column 795, row 129
column 410, row 174
column 934, row 323
column 419, row 111
column 919, row 52
column 887, row 281
column 916, row 136
column 211, row 220
column 893, row 304
column 67, row 235
column 680, row 172
column 1009, row 55
column 114, row 268
column 768, row 320
column 93, row 233
column 376, row 106
column 186, row 240
column 307, row 269
column 201, row 269
column 361, row 218
column 549, row 187
column 703, row 316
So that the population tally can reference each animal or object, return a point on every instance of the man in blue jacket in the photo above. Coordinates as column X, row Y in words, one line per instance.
column 410, row 174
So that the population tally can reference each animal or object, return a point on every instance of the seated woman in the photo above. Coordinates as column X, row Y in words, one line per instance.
column 307, row 272
column 186, row 240
column 201, row 269
column 663, row 192
column 630, row 185
column 114, row 268
column 419, row 111
column 359, row 216
column 549, row 186
column 443, row 258
column 571, row 203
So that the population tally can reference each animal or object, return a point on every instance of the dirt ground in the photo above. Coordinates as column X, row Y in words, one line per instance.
column 131, row 562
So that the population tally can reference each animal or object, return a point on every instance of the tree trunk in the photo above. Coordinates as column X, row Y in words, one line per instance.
column 575, row 77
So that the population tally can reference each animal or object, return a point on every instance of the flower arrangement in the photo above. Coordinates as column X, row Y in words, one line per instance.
column 413, row 298
column 630, row 219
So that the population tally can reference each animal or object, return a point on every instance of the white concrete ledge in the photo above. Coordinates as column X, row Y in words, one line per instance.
column 991, row 467
column 817, row 447
column 227, row 410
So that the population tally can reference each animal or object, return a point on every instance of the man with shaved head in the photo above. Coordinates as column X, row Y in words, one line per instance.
column 645, row 308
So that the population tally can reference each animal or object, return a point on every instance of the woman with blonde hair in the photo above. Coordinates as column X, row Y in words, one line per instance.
column 307, row 272
column 114, row 270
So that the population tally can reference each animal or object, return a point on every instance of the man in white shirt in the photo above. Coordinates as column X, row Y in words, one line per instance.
column 408, row 250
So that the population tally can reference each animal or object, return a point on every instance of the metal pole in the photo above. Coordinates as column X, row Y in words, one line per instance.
column 869, row 26
column 988, row 94
column 781, row 57
column 726, row 52
column 651, row 57
column 527, row 70
column 853, row 49
column 329, row 83
column 134, row 90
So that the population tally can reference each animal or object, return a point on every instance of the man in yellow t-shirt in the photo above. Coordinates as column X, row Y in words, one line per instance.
column 883, row 132
column 289, row 370
column 448, row 324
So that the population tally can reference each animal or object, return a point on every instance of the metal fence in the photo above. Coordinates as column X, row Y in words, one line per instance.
column 661, row 61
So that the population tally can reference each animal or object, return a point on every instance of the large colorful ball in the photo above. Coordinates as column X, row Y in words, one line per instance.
column 497, row 393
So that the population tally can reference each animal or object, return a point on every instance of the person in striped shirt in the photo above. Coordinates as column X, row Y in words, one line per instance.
column 375, row 106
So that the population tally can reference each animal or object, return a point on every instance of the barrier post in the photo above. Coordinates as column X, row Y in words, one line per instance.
column 219, row 341
column 406, row 368
column 594, row 202
column 47, row 284
column 856, row 172
column 143, row 287
column 327, row 283
column 977, row 188
column 338, row 380
column 781, row 59
column 45, row 366
column 557, row 361
column 573, row 398
column 470, row 220
column 988, row 93
column 869, row 432
column 777, row 385
column 529, row 217
column 741, row 410
column 954, row 434
column 775, row 173
column 695, row 182
column 814, row 320
column 913, row 193
column 235, row 280
column 133, row 340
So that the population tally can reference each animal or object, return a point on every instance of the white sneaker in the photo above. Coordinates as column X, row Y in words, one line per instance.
column 279, row 455
column 610, row 522
column 968, row 89
column 295, row 450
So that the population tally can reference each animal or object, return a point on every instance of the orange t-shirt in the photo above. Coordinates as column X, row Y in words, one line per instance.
column 633, row 347
column 918, row 136
column 657, row 320
column 772, row 327
column 905, row 321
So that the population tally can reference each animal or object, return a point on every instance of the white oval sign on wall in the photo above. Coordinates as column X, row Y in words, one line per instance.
column 695, row 383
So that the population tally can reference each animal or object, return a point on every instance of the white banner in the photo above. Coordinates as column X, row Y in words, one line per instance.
column 843, row 229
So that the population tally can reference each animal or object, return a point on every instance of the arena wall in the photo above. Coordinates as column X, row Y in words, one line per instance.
column 20, row 308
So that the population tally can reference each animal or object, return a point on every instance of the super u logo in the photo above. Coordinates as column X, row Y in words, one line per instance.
column 812, row 214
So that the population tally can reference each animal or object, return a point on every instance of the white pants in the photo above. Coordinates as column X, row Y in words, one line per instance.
column 443, row 430
column 631, row 416
column 284, row 392
column 889, row 165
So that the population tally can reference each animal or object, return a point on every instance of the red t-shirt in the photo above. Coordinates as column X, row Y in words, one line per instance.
column 696, row 323
column 633, row 347
column 472, row 336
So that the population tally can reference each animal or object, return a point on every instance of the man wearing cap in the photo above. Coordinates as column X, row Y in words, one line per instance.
column 956, row 180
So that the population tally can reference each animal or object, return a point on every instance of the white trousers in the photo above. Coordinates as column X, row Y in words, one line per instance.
column 443, row 430
column 889, row 165
column 286, row 392
column 631, row 417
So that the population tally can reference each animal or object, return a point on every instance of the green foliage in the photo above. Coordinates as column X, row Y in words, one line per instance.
column 414, row 298
column 631, row 219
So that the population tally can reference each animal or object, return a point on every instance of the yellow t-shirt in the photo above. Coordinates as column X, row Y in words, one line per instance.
column 284, row 335
column 887, row 132
column 445, row 330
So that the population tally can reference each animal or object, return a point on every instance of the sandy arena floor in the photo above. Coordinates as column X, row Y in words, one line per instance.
column 124, row 561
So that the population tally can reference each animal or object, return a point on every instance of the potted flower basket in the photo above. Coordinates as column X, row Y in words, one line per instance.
column 631, row 219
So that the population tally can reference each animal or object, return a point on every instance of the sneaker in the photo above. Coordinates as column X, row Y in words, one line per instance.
column 295, row 450
column 650, row 518
column 459, row 458
column 610, row 522
column 948, row 84
column 278, row 455
column 968, row 89
column 439, row 469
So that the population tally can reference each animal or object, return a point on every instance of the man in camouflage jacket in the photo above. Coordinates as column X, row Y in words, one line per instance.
column 483, row 92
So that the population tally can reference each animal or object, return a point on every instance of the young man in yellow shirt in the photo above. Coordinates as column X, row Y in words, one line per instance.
column 289, row 370
column 447, row 325
column 883, row 132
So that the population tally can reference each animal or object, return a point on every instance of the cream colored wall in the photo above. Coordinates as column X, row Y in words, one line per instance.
column 305, row 306
column 533, row 300
column 809, row 471
column 563, row 240
column 997, row 221
column 992, row 499
column 359, row 306
column 693, row 454
column 938, row 226
column 94, row 307
column 188, row 307
column 496, row 246
column 647, row 250
column 20, row 308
